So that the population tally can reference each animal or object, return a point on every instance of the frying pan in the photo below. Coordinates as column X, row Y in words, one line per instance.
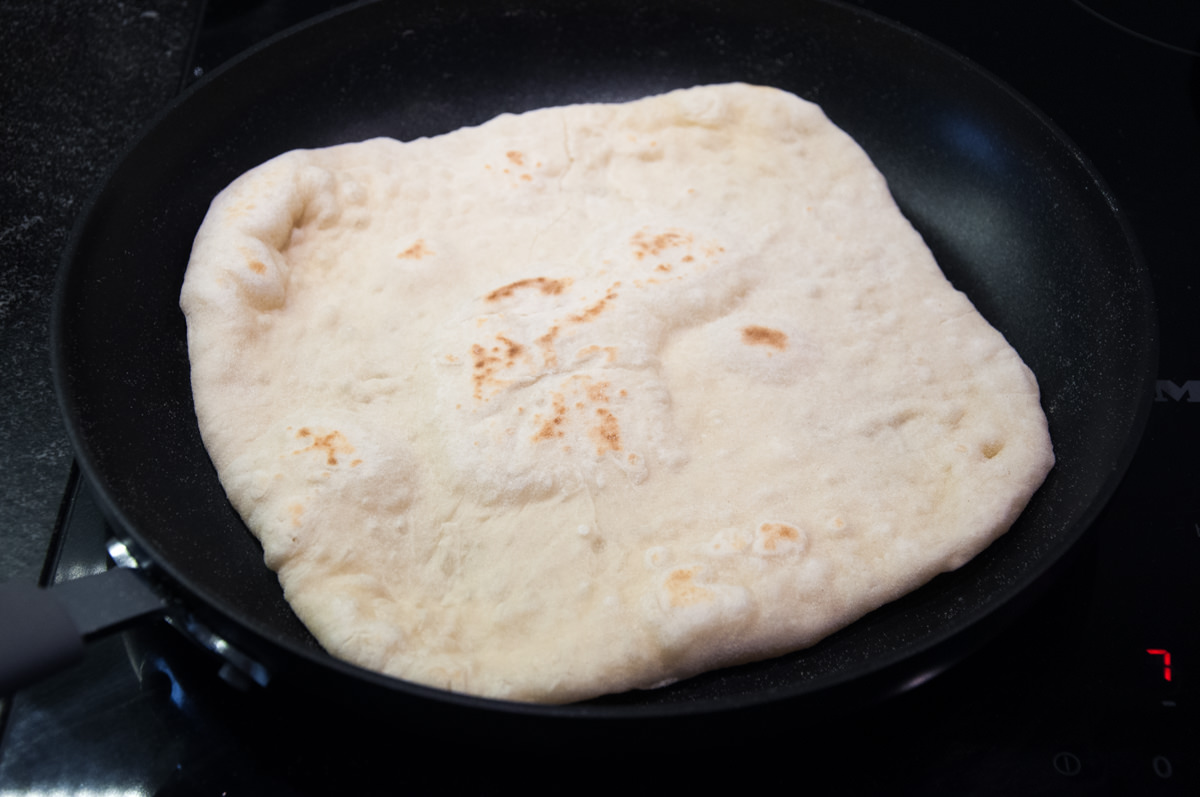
column 1013, row 212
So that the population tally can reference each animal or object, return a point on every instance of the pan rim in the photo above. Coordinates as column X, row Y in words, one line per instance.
column 124, row 524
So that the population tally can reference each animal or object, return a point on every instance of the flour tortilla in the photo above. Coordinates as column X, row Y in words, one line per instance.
column 598, row 397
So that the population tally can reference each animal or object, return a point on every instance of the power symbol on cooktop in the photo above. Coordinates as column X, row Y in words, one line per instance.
column 1067, row 764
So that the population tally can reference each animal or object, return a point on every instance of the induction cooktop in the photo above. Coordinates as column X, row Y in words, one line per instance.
column 1092, row 690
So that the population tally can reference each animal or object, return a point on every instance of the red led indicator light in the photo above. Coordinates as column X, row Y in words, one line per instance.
column 1166, row 655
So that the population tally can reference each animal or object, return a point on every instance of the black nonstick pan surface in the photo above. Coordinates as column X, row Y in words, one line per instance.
column 1014, row 213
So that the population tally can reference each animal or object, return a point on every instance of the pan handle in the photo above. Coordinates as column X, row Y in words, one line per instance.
column 42, row 631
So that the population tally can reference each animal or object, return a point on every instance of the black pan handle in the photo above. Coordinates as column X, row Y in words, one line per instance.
column 43, row 631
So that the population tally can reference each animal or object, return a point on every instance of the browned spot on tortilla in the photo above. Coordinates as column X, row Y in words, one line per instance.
column 487, row 363
column 991, row 448
column 764, row 336
column 296, row 511
column 484, row 366
column 646, row 244
column 546, row 342
column 662, row 267
column 682, row 589
column 610, row 352
column 331, row 444
column 526, row 177
column 548, row 287
column 607, row 433
column 596, row 391
column 516, row 157
column 512, row 347
column 591, row 313
column 417, row 251
column 257, row 266
column 771, row 534
column 552, row 427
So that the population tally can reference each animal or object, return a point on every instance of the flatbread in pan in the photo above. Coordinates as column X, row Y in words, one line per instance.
column 598, row 397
